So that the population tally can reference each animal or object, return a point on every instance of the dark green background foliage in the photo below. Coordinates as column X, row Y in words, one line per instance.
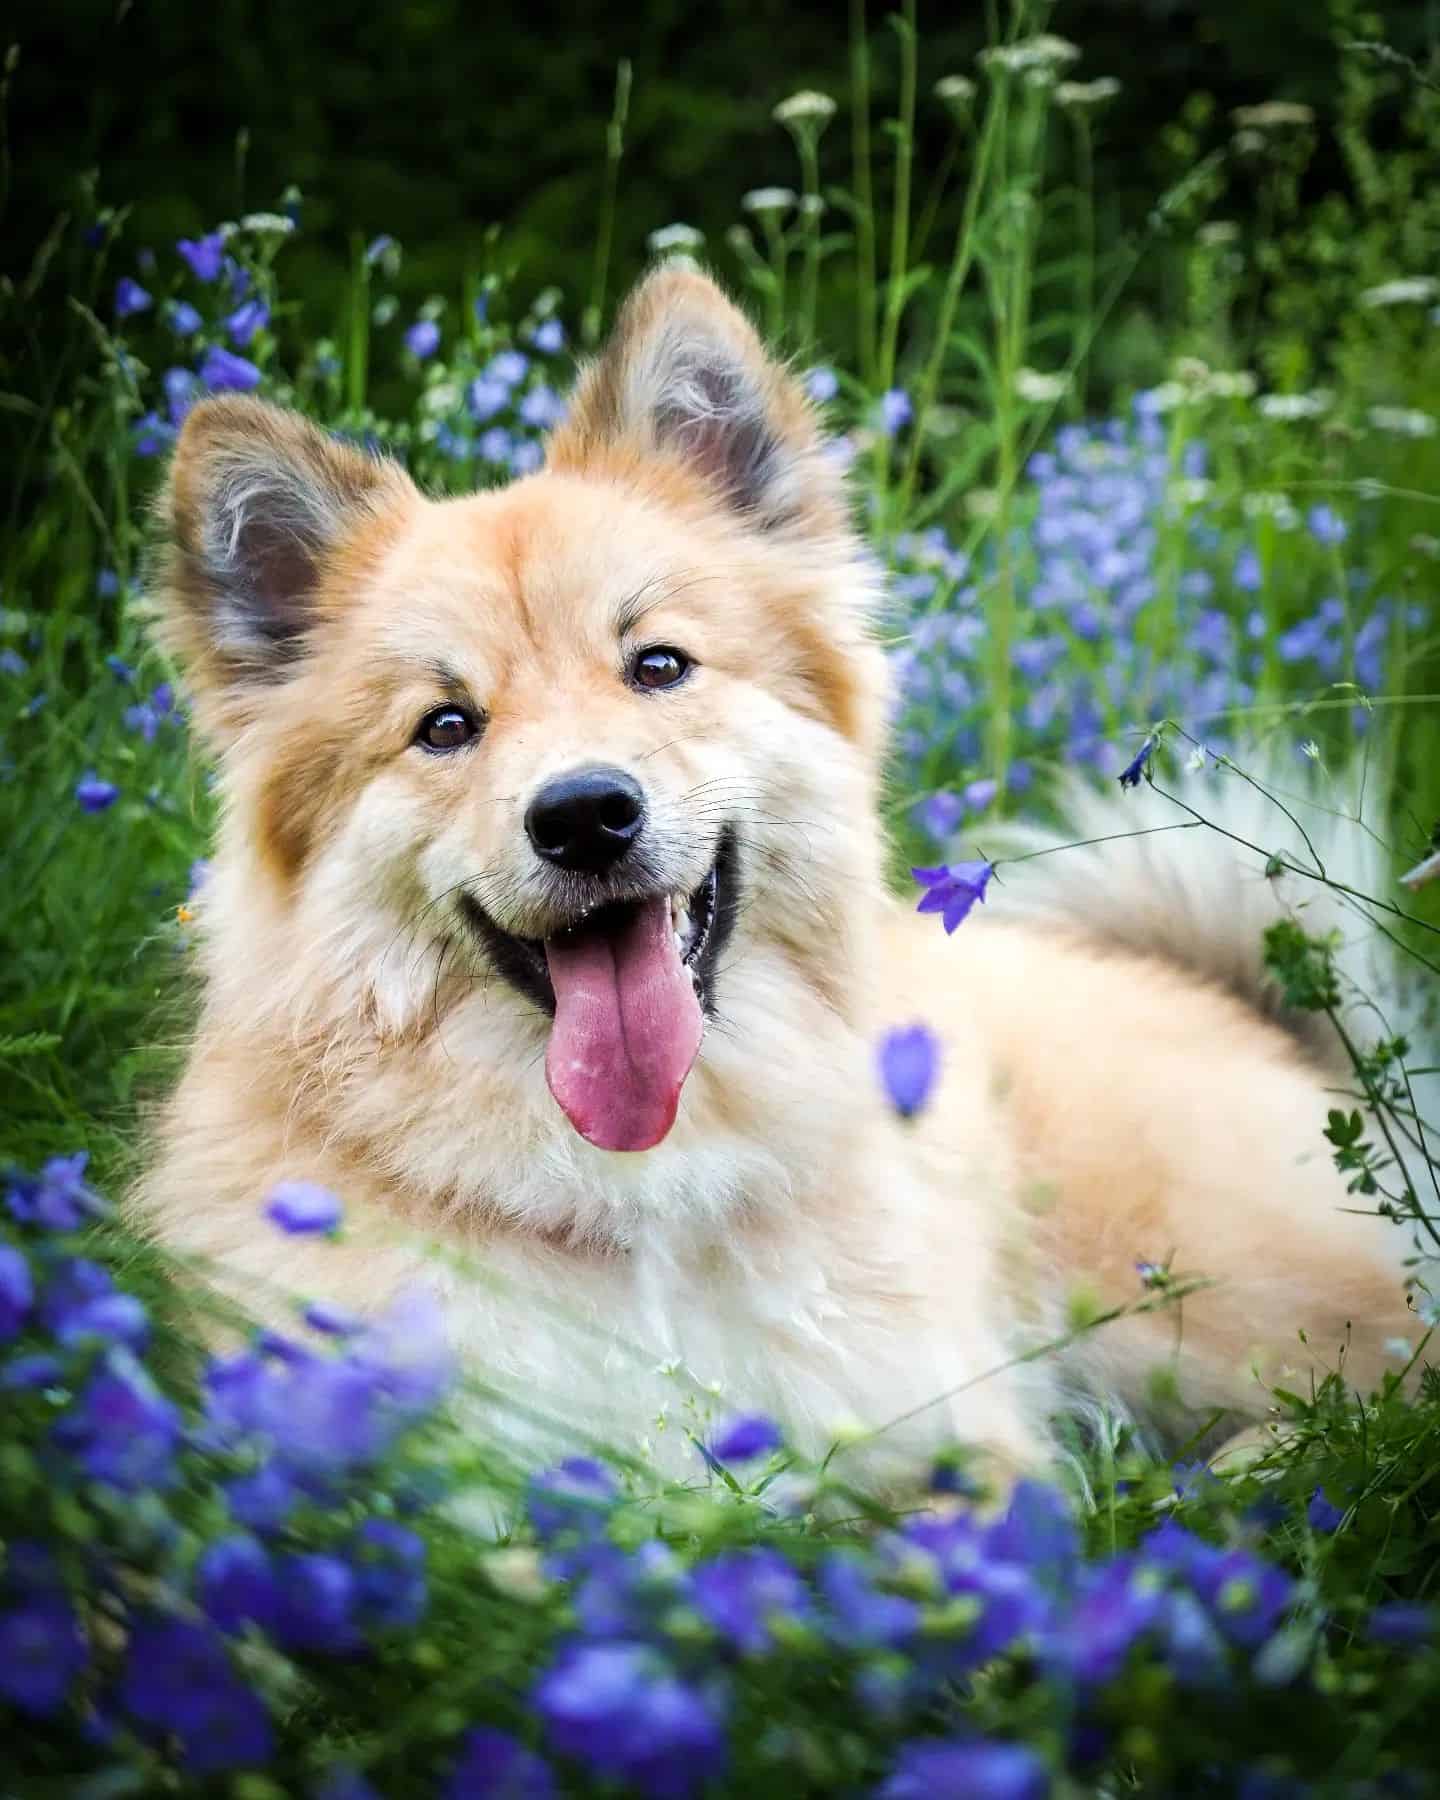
column 433, row 119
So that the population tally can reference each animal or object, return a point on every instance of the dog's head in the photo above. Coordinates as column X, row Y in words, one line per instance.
column 598, row 734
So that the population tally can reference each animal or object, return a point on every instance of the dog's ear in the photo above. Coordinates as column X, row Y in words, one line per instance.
column 258, row 506
column 684, row 375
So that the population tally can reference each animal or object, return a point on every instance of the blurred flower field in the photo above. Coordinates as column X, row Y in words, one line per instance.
column 257, row 1573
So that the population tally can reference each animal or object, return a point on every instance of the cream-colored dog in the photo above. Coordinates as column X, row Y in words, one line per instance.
column 548, row 921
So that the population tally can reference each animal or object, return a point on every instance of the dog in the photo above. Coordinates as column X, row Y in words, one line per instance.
column 549, row 924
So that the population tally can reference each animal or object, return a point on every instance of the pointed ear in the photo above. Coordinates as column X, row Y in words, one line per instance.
column 258, row 507
column 685, row 376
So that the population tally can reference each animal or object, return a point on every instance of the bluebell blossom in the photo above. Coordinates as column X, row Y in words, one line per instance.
column 42, row 1653
column 909, row 1064
column 548, row 336
column 967, row 1769
column 622, row 1711
column 1130, row 775
column 303, row 1206
column 526, row 458
column 1403, row 1622
column 1322, row 1514
column 953, row 889
column 122, row 1431
column 496, row 445
column 179, row 1677
column 318, row 1599
column 221, row 371
column 182, row 389
column 508, row 366
column 575, row 1495
column 744, row 1593
column 379, row 247
column 151, row 435
column 388, row 1560
column 422, row 339
column 980, row 793
column 542, row 408
column 17, row 1291
column 485, row 397
column 822, row 385
column 896, row 411
column 495, row 1766
column 130, row 298
column 1326, row 526
column 248, row 318
column 182, row 318
column 939, row 814
column 235, row 1583
column 12, row 662
column 204, row 255
column 745, row 1437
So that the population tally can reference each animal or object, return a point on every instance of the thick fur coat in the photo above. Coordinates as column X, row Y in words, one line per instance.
column 375, row 1014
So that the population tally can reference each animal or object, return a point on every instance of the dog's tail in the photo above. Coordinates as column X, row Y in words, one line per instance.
column 1197, row 866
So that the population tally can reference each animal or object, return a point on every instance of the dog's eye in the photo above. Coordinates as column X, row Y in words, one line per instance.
column 659, row 667
column 446, row 728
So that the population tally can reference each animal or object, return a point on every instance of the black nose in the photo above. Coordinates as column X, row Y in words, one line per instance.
column 586, row 820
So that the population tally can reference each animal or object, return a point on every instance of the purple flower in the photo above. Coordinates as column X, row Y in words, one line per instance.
column 235, row 1585
column 94, row 795
column 248, row 318
column 862, row 1615
column 952, row 889
column 526, row 458
column 38, row 1369
column 42, row 1652
column 485, row 397
column 122, row 1430
column 221, row 371
column 1323, row 1516
column 548, row 336
column 1116, row 1606
column 980, row 794
column 109, row 1319
column 182, row 318
column 495, row 1766
column 345, row 1782
column 508, row 366
column 178, row 1678
column 264, row 1500
column 939, row 814
column 182, row 390
column 909, row 1060
column 303, row 1207
column 1246, row 1596
column 576, row 1495
column 542, row 407
column 622, row 1710
column 895, row 411
column 12, row 662
column 204, row 255
column 130, row 298
column 17, row 1291
column 150, row 435
column 1247, row 574
column 745, row 1437
column 389, row 1563
column 495, row 445
column 58, row 1198
column 319, row 1315
column 317, row 1602
column 423, row 338
column 1037, row 1530
column 1399, row 1622
column 743, row 1592
column 966, row 1771
column 1131, row 773
column 1326, row 525
column 822, row 385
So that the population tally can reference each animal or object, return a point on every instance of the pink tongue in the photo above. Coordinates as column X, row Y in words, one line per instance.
column 627, row 1029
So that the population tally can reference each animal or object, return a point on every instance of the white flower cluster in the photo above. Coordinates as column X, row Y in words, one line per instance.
column 1402, row 421
column 1080, row 96
column 1043, row 54
column 1408, row 290
column 1288, row 408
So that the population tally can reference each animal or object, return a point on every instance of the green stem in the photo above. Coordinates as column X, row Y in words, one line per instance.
column 614, row 150
column 900, row 219
column 810, row 225
column 865, row 275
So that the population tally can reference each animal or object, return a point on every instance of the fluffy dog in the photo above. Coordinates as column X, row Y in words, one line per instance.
column 548, row 922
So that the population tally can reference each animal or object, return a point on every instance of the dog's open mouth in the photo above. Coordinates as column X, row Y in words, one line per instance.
column 627, row 984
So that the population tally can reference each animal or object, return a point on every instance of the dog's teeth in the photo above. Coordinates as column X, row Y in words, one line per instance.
column 679, row 942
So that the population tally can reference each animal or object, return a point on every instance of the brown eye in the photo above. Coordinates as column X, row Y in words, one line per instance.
column 659, row 667
column 446, row 728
